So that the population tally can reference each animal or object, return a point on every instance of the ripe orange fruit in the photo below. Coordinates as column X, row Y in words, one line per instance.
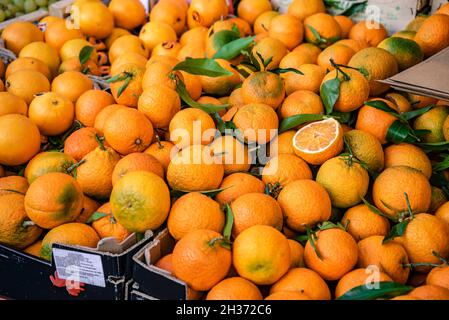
column 296, row 254
column 127, row 44
column 199, row 259
column 193, row 85
column 378, row 64
column 393, row 182
column 359, row 277
column 407, row 52
column 194, row 169
column 234, row 154
column 89, row 104
column 430, row 292
column 127, row 14
column 116, row 33
column 443, row 213
column 304, row 203
column 304, row 281
column 221, row 86
column 433, row 35
column 34, row 249
column 78, row 234
column 270, row 48
column 170, row 13
column 137, row 162
column 366, row 148
column 12, row 216
column 236, row 185
column 406, row 154
column 191, row 126
column 325, row 25
column 263, row 21
column 439, row 276
column 374, row 121
column 57, row 33
column 155, row 32
column 249, row 10
column 128, row 130
column 44, row 52
column 285, row 168
column 319, row 141
column 134, row 58
column 390, row 257
column 339, row 53
column 338, row 251
column 89, row 207
column 54, row 199
column 424, row 235
column 206, row 12
column 96, row 20
column 301, row 102
column 288, row 29
column 107, row 226
column 194, row 211
column 71, row 85
column 261, row 254
column 19, row 34
column 346, row 25
column 167, row 48
column 26, row 84
column 371, row 34
column 355, row 45
column 163, row 152
column 45, row 162
column 194, row 35
column 27, row 64
column 433, row 120
column 160, row 73
column 304, row 8
column 283, row 143
column 308, row 49
column 263, row 87
column 401, row 102
column 20, row 139
column 258, row 122
column 81, row 142
column 53, row 113
column 72, row 49
column 310, row 79
column 11, row 104
column 13, row 184
column 234, row 288
column 363, row 223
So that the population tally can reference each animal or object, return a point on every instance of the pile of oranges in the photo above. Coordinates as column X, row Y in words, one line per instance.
column 263, row 141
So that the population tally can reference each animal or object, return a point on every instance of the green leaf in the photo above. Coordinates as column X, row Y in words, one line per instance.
column 442, row 165
column 311, row 236
column 374, row 209
column 382, row 106
column 330, row 92
column 202, row 66
column 224, row 37
column 415, row 113
column 184, row 94
column 302, row 238
column 235, row 29
column 227, row 231
column 210, row 193
column 123, row 87
column 434, row 146
column 315, row 34
column 398, row 132
column 342, row 117
column 385, row 289
column 285, row 70
column 96, row 216
column 234, row 48
column 294, row 121
column 397, row 230
column 85, row 54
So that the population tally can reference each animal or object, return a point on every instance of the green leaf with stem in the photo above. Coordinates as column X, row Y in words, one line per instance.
column 85, row 54
column 96, row 216
column 297, row 120
column 374, row 291
column 234, row 48
column 330, row 92
column 202, row 66
column 227, row 231
column 311, row 236
column 184, row 94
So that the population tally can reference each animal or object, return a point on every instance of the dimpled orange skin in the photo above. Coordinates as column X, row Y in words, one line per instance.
column 235, row 288
column 439, row 276
column 206, row 12
column 326, row 26
column 430, row 292
column 263, row 87
column 199, row 262
column 405, row 154
column 375, row 121
column 237, row 184
column 305, row 281
column 433, row 35
column 11, row 184
column 270, row 48
column 137, row 162
column 359, row 277
column 363, row 223
column 81, row 142
column 338, row 251
column 288, row 29
column 285, row 168
column 301, row 102
column 163, row 152
column 373, row 36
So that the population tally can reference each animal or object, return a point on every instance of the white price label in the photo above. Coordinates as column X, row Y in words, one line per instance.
column 79, row 267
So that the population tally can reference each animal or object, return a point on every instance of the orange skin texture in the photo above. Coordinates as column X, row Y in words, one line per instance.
column 263, row 87
column 206, row 12
column 310, row 80
column 433, row 35
column 238, row 184
column 13, row 183
column 374, row 121
column 357, row 278
column 102, row 116
column 108, row 227
column 304, row 8
column 346, row 25
column 71, row 84
column 26, row 84
column 127, row 14
column 249, row 10
column 439, row 276
column 271, row 47
column 27, row 63
column 430, row 292
column 296, row 254
column 137, row 162
column 89, row 207
column 405, row 154
column 126, row 44
column 301, row 102
column 17, row 35
column 339, row 53
column 162, row 151
column 324, row 24
column 363, row 223
column 285, row 168
column 57, row 34
column 373, row 36
column 130, row 95
column 443, row 213
column 89, row 104
column 288, row 29
column 235, row 288
column 81, row 142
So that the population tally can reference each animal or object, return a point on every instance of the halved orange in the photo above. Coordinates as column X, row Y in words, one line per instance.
column 319, row 141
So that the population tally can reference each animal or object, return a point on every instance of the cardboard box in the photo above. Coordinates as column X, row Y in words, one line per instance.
column 132, row 292
column 77, row 273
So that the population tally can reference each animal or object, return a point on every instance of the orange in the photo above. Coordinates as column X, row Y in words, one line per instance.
column 339, row 53
column 194, row 169
column 270, row 48
column 25, row 84
column 338, row 251
column 301, row 102
column 20, row 139
column 116, row 33
column 325, row 25
column 27, row 64
column 137, row 162
column 78, row 234
column 310, row 79
column 57, row 33
column 346, row 25
column 81, row 142
column 140, row 201
column 406, row 154
column 191, row 126
column 296, row 254
column 44, row 52
column 263, row 21
column 355, row 45
column 393, row 182
column 374, row 121
column 304, row 8
column 13, row 184
column 128, row 130
column 283, row 143
column 71, row 85
column 446, row 129
column 170, row 13
column 236, row 185
column 390, row 257
column 243, row 26
column 96, row 20
column 443, row 213
column 54, row 199
column 444, row 9
column 162, row 151
column 128, row 58
column 159, row 104
column 416, row 23
column 263, row 87
column 285, row 168
column 401, row 102
column 304, row 203
column 160, row 73
column 258, row 122
column 360, row 277
column 249, row 10
column 370, row 32
column 194, row 211
column 288, row 295
column 45, row 162
column 255, row 209
column 288, row 29
column 261, row 254
column 206, row 12
column 12, row 217
column 439, row 276
column 433, row 120
column 34, row 249
column 365, row 147
column 433, row 35
column 234, row 288
column 107, row 226
column 407, row 52
column 304, row 281
column 194, row 35
column 52, row 113
column 346, row 182
column 221, row 86
column 319, row 141
column 363, row 223
column 89, row 207
column 155, row 32
column 193, row 85
column 234, row 154
column 19, row 34
column 430, row 292
column 127, row 44
column 191, row 50
column 167, row 48
column 127, row 14
column 405, row 34
column 424, row 235
column 89, row 104
column 11, row 104
column 72, row 49
column 199, row 259
column 308, row 49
